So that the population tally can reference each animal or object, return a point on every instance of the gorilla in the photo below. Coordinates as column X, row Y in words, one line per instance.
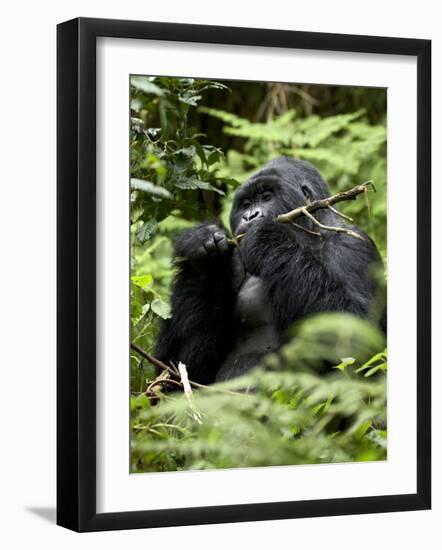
column 233, row 305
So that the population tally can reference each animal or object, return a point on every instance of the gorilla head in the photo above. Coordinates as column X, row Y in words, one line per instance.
column 282, row 185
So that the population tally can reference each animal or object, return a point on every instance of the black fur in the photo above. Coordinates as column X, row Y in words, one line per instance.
column 296, row 274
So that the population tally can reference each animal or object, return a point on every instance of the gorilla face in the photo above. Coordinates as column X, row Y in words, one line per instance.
column 282, row 185
column 252, row 203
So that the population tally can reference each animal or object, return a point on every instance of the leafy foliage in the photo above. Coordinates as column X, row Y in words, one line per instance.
column 179, row 176
column 287, row 414
column 173, row 180
column 167, row 156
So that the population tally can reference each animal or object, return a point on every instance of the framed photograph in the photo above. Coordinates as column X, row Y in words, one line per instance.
column 243, row 239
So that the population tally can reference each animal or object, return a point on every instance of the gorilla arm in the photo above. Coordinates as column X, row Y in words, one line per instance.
column 200, row 332
column 307, row 274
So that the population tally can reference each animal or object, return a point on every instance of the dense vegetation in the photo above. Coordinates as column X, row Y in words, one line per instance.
column 192, row 143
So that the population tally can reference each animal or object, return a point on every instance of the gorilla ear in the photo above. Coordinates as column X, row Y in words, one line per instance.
column 306, row 191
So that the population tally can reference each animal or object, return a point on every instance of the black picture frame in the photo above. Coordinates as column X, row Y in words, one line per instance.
column 76, row 273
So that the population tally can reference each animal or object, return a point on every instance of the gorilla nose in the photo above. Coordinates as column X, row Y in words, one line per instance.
column 252, row 215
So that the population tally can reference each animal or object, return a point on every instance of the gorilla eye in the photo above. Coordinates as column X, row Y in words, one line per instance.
column 306, row 192
column 246, row 203
column 266, row 196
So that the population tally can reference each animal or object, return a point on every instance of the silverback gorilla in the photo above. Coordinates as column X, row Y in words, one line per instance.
column 231, row 307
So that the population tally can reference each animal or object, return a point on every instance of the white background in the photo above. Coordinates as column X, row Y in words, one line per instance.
column 27, row 216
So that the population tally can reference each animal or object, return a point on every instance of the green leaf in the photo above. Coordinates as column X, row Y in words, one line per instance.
column 279, row 130
column 151, row 188
column 345, row 362
column 143, row 281
column 379, row 437
column 190, row 98
column 194, row 183
column 133, row 403
column 146, row 231
column 373, row 370
column 142, row 402
column 381, row 356
column 327, row 126
column 361, row 429
column 215, row 156
column 225, row 116
column 161, row 308
column 210, row 84
column 154, row 133
column 185, row 152
column 145, row 85
column 183, row 158
column 199, row 150
column 136, row 104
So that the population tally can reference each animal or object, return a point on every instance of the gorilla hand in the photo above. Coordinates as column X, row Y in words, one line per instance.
column 202, row 245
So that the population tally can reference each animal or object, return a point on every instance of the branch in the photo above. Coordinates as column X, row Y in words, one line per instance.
column 175, row 376
column 332, row 228
column 308, row 209
column 351, row 194
column 156, row 362
column 320, row 204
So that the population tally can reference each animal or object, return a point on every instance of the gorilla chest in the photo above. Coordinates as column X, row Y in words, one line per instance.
column 252, row 305
column 255, row 332
column 252, row 308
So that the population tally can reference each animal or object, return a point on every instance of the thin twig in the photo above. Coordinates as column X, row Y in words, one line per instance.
column 196, row 415
column 160, row 382
column 151, row 359
column 305, row 95
column 367, row 203
column 172, row 371
column 315, row 233
column 340, row 213
column 332, row 228
column 313, row 206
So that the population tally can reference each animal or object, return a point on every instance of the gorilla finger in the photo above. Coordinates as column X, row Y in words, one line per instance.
column 221, row 242
column 199, row 254
column 210, row 247
column 218, row 235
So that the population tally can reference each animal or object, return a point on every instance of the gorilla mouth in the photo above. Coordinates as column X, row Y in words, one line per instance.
column 245, row 226
column 241, row 229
